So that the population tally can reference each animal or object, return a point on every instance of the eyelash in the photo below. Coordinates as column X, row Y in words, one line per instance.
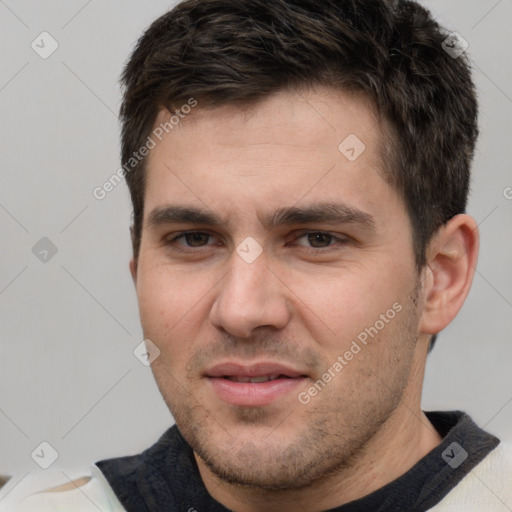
column 343, row 240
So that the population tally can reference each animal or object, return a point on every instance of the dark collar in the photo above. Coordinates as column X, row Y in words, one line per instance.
column 165, row 477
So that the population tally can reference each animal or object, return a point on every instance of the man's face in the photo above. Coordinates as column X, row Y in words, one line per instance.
column 327, row 309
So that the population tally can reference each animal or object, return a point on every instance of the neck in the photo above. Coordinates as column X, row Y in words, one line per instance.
column 405, row 438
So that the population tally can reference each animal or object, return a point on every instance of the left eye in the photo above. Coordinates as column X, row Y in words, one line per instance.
column 319, row 240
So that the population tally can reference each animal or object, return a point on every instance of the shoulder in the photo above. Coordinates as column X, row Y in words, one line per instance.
column 88, row 493
column 488, row 486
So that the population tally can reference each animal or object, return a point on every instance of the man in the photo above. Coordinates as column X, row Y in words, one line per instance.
column 299, row 172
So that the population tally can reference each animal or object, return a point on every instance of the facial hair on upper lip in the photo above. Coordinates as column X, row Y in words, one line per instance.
column 261, row 348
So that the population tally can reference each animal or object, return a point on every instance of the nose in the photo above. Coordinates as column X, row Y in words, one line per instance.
column 250, row 296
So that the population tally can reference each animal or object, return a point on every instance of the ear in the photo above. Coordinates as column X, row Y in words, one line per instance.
column 451, row 260
column 133, row 270
column 133, row 261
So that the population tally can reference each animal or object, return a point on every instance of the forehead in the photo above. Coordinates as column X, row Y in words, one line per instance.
column 302, row 118
column 293, row 147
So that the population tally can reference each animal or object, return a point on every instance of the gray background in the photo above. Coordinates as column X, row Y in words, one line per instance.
column 68, row 326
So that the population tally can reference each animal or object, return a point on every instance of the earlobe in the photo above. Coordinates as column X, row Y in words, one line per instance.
column 452, row 257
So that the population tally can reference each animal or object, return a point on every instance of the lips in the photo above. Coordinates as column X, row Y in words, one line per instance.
column 253, row 385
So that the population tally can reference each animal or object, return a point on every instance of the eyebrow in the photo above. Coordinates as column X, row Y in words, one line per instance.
column 336, row 213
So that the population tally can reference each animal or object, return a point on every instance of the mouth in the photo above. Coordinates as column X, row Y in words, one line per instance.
column 255, row 380
column 253, row 385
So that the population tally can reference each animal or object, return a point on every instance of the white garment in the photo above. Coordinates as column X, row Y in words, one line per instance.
column 94, row 496
column 486, row 488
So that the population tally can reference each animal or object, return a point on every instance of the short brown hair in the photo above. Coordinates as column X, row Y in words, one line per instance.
column 241, row 51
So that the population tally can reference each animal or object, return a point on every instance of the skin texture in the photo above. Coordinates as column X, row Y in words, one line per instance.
column 301, row 303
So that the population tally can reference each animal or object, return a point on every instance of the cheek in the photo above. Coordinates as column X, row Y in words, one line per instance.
column 173, row 307
column 154, row 296
column 342, row 305
column 164, row 298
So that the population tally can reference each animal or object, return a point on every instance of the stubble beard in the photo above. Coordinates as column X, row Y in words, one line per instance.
column 333, row 431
